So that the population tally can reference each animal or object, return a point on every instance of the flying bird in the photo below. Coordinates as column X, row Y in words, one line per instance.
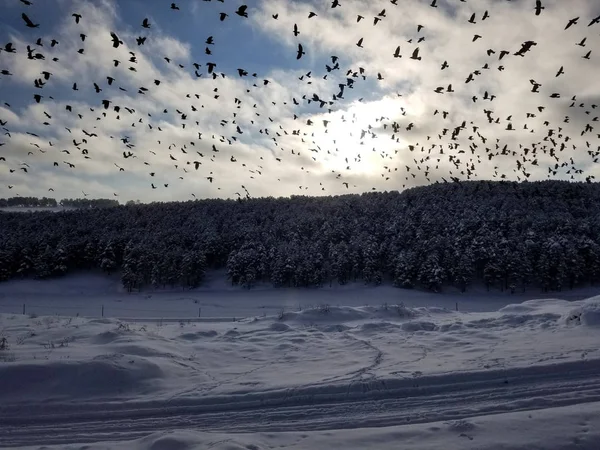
column 538, row 7
column 241, row 11
column 571, row 23
column 116, row 42
column 28, row 21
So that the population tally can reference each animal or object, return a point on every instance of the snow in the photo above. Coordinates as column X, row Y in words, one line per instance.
column 524, row 376
column 572, row 427
column 92, row 294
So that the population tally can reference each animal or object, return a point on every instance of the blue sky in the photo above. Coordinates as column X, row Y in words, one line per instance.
column 389, row 130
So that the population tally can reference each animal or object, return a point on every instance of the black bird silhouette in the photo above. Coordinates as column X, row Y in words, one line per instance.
column 571, row 23
column 359, row 43
column 300, row 51
column 241, row 11
column 28, row 21
column 174, row 6
column 77, row 17
column 538, row 7
column 116, row 41
column 397, row 53
column 415, row 55
column 145, row 23
column 8, row 48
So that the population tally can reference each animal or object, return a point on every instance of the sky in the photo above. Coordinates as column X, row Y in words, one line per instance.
column 342, row 118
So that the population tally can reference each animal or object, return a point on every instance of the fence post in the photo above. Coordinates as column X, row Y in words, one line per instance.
column 23, row 308
column 102, row 310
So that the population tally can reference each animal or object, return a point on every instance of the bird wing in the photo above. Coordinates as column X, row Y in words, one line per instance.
column 26, row 19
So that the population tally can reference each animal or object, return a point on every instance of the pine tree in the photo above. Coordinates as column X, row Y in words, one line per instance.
column 431, row 275
column 107, row 259
column 60, row 262
column 43, row 263
column 90, row 255
column 463, row 271
column 405, row 270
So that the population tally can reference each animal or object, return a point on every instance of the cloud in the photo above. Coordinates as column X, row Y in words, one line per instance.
column 389, row 129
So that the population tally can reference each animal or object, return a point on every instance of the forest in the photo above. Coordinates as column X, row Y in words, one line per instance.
column 46, row 202
column 510, row 236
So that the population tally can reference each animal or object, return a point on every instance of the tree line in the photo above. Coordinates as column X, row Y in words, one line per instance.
column 507, row 235
column 46, row 202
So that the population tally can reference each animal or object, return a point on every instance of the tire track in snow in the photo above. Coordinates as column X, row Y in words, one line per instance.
column 388, row 402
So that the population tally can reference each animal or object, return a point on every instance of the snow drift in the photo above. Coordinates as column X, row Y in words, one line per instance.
column 73, row 380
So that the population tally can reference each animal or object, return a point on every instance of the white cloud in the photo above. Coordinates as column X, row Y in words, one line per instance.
column 310, row 155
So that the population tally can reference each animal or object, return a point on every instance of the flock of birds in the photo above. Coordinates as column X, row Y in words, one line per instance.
column 195, row 159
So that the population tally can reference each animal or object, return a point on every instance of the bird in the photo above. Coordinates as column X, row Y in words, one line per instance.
column 8, row 48
column 28, row 21
column 300, row 51
column 538, row 7
column 241, row 11
column 146, row 23
column 359, row 43
column 116, row 41
column 571, row 23
column 77, row 17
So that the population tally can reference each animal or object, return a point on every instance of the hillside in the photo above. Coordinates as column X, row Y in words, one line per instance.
column 509, row 236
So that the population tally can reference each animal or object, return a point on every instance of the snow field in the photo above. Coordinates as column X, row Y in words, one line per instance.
column 81, row 380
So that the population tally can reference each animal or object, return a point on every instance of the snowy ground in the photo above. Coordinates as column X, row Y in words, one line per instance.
column 524, row 377
column 92, row 294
